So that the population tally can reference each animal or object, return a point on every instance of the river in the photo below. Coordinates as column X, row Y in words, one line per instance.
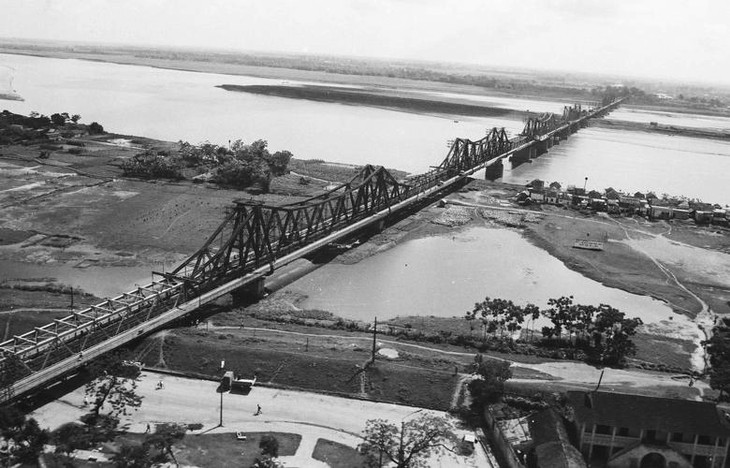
column 445, row 276
column 178, row 105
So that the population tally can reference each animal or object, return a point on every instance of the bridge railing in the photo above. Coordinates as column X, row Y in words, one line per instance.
column 251, row 236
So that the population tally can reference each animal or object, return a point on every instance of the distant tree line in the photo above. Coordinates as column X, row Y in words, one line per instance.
column 602, row 332
column 718, row 349
column 17, row 128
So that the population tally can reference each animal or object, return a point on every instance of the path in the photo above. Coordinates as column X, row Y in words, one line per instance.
column 704, row 318
column 188, row 401
column 566, row 371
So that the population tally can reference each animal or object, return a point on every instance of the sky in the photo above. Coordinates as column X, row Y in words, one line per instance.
column 666, row 39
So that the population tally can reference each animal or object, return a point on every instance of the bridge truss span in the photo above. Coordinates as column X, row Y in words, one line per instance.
column 253, row 240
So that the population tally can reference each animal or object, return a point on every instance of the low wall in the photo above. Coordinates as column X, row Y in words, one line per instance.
column 504, row 451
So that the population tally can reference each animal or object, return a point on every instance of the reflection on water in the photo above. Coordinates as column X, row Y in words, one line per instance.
column 631, row 161
column 445, row 276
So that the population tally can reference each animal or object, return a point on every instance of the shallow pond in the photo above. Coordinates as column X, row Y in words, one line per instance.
column 445, row 276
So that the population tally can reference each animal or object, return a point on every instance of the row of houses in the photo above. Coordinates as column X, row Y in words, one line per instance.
column 613, row 202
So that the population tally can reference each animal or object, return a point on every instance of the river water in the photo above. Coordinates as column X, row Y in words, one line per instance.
column 445, row 276
column 175, row 105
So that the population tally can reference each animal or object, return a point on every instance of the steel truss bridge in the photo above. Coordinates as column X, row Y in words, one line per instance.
column 254, row 240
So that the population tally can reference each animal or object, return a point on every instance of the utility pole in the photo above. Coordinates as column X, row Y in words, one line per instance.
column 375, row 337
column 220, row 423
column 223, row 368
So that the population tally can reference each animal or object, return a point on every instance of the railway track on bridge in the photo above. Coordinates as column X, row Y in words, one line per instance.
column 254, row 240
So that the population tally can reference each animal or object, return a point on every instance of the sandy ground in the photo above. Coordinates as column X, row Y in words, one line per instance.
column 312, row 415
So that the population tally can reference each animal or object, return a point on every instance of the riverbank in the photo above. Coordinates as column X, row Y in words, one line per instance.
column 673, row 130
column 384, row 99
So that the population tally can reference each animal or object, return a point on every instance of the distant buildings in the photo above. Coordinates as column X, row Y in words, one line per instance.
column 616, row 203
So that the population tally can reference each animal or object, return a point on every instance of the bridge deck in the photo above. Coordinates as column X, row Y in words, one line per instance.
column 252, row 242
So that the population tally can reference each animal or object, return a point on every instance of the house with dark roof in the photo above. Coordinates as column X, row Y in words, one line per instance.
column 621, row 430
column 550, row 445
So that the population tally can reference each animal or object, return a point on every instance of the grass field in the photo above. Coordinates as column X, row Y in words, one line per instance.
column 337, row 455
column 224, row 450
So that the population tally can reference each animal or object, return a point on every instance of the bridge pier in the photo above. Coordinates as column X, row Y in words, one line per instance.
column 249, row 293
column 494, row 171
column 508, row 164
column 519, row 157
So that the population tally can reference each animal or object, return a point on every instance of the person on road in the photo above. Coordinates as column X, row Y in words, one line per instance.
column 258, row 410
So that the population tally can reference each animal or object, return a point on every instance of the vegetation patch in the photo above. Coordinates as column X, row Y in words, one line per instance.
column 337, row 455
column 225, row 450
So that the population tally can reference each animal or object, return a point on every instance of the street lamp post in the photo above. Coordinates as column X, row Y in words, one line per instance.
column 584, row 185
column 401, row 453
column 223, row 367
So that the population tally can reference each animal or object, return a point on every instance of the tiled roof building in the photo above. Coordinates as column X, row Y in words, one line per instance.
column 633, row 431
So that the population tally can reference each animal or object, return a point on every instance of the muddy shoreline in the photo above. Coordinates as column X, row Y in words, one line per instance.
column 374, row 98
column 672, row 130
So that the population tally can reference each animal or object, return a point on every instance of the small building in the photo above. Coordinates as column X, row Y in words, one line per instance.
column 682, row 213
column 537, row 196
column 703, row 216
column 719, row 216
column 612, row 206
column 661, row 212
column 620, row 430
column 630, row 205
column 598, row 204
column 552, row 196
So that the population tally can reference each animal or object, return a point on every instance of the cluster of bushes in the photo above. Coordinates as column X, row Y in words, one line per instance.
column 16, row 128
column 240, row 166
column 150, row 165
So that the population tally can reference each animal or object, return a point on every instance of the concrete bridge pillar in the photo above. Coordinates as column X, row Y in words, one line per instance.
column 250, row 293
column 494, row 171
column 519, row 157
column 508, row 164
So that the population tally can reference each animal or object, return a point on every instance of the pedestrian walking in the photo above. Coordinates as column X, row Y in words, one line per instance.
column 258, row 410
column 148, row 428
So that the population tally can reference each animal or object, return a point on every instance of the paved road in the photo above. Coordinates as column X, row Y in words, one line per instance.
column 312, row 415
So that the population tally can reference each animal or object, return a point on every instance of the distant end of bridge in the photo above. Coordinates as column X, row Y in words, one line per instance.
column 254, row 240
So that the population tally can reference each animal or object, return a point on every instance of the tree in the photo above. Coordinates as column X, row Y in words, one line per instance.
column 95, row 129
column 133, row 456
column 409, row 444
column 113, row 387
column 58, row 119
column 70, row 437
column 266, row 461
column 488, row 386
column 278, row 162
column 269, row 446
column 164, row 438
column 718, row 348
column 21, row 438
column 498, row 315
column 75, row 118
column 612, row 335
